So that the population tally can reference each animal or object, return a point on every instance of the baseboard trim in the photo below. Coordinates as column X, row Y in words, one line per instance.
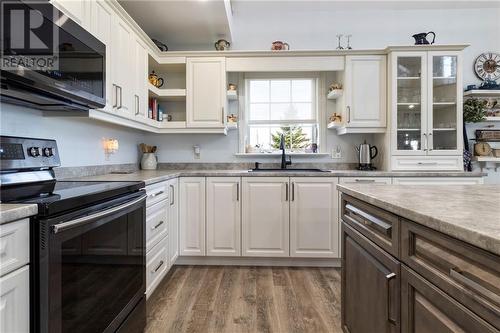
column 246, row 261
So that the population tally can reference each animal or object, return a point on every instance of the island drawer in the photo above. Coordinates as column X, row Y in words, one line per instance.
column 156, row 193
column 378, row 225
column 466, row 273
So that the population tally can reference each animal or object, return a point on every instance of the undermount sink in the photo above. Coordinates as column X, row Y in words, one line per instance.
column 288, row 170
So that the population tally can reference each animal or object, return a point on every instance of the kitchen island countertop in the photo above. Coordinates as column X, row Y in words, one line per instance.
column 470, row 213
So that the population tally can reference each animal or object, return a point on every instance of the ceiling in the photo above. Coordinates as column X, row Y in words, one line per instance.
column 182, row 24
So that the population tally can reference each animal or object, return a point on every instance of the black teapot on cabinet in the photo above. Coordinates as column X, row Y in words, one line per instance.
column 421, row 38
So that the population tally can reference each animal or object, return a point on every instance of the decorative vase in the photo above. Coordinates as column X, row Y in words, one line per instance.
column 148, row 161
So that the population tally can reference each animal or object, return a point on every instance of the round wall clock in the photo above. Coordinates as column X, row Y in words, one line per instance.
column 487, row 66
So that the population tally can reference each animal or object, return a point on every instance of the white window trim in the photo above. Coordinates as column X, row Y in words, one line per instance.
column 319, row 102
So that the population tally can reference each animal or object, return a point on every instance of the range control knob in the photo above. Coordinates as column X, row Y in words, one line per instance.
column 48, row 151
column 34, row 151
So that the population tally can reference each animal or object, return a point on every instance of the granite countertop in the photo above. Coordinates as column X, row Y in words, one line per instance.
column 13, row 212
column 154, row 176
column 470, row 213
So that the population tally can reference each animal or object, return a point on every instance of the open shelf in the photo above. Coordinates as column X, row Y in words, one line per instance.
column 334, row 124
column 232, row 126
column 492, row 118
column 334, row 94
column 172, row 124
column 444, row 129
column 167, row 94
column 444, row 103
column 482, row 93
column 486, row 159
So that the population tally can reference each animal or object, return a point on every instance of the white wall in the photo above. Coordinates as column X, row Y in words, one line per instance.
column 79, row 139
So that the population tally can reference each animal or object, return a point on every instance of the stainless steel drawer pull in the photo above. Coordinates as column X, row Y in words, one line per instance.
column 156, row 194
column 172, row 194
column 427, row 163
column 158, row 225
column 364, row 180
column 388, row 278
column 286, row 191
column 386, row 228
column 87, row 219
column 158, row 267
column 461, row 276
column 237, row 191
column 293, row 191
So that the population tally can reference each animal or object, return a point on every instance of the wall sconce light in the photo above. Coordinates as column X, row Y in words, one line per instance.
column 110, row 146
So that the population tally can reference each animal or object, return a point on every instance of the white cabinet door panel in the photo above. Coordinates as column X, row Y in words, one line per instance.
column 223, row 216
column 77, row 10
column 365, row 90
column 265, row 217
column 14, row 245
column 15, row 301
column 192, row 216
column 206, row 92
column 314, row 227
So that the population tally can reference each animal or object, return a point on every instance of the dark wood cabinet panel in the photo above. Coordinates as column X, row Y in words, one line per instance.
column 378, row 225
column 425, row 308
column 466, row 273
column 370, row 286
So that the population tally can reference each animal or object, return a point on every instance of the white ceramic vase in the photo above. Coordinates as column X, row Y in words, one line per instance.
column 148, row 161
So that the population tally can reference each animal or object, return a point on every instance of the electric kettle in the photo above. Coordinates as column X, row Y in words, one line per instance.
column 366, row 153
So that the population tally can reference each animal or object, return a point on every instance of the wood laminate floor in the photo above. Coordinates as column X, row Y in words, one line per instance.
column 216, row 299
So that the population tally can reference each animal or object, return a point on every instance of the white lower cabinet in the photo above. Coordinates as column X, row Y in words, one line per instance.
column 437, row 180
column 173, row 219
column 192, row 216
column 223, row 216
column 314, row 228
column 157, row 265
column 14, row 301
column 265, row 217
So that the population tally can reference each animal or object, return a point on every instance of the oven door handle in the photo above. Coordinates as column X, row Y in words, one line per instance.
column 86, row 219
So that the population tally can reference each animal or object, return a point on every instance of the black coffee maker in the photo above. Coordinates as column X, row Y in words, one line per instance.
column 421, row 38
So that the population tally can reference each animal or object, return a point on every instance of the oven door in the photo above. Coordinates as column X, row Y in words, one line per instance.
column 92, row 269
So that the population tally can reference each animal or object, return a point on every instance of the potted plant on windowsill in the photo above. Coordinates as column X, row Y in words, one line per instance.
column 474, row 112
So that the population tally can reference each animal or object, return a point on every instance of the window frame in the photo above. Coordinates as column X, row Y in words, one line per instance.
column 318, row 105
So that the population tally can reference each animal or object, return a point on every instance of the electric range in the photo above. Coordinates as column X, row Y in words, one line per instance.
column 87, row 243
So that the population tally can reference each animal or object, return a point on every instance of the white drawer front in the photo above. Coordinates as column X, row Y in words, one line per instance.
column 156, row 193
column 14, row 301
column 14, row 245
column 156, row 265
column 365, row 180
column 427, row 163
column 437, row 180
column 156, row 224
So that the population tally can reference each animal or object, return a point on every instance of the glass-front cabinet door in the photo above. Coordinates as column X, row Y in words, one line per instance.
column 445, row 102
column 409, row 101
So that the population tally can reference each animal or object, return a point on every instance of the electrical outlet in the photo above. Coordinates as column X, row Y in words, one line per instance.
column 196, row 151
column 337, row 152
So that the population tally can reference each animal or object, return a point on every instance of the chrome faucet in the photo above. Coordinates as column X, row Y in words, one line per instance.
column 284, row 161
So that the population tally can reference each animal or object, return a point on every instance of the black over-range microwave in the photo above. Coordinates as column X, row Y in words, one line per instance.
column 49, row 62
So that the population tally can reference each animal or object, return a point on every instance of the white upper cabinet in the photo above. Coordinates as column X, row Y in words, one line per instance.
column 192, row 216
column 223, row 216
column 77, row 10
column 140, row 68
column 205, row 92
column 101, row 26
column 365, row 93
column 426, row 115
column 314, row 225
column 265, row 217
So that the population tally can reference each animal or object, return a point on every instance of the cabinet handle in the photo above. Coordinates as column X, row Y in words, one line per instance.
column 293, row 191
column 348, row 114
column 364, row 180
column 121, row 97
column 172, row 195
column 424, row 141
column 462, row 277
column 223, row 115
column 427, row 163
column 156, row 194
column 286, row 191
column 388, row 279
column 157, row 226
column 115, row 88
column 238, row 191
column 386, row 228
column 431, row 140
column 158, row 267
column 136, row 104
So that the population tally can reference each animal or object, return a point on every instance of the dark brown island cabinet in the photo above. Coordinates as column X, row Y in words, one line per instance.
column 400, row 276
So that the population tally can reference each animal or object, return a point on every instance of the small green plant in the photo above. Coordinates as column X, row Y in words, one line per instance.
column 474, row 110
column 294, row 137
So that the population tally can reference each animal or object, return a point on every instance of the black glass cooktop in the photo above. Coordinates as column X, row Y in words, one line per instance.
column 63, row 196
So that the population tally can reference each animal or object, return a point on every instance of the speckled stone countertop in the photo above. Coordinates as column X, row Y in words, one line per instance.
column 13, row 212
column 470, row 213
column 154, row 176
